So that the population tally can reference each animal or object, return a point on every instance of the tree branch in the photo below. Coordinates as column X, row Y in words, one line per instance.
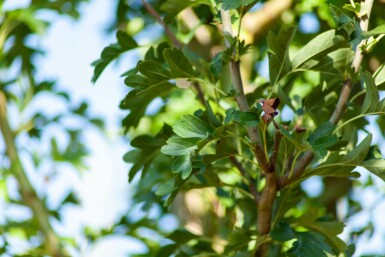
column 341, row 104
column 174, row 41
column 240, row 96
column 28, row 194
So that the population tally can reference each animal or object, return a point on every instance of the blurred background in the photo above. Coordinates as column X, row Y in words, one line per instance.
column 70, row 140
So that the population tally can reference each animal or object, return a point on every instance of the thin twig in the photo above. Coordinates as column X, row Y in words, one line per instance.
column 28, row 194
column 244, row 174
column 341, row 104
column 159, row 19
column 175, row 42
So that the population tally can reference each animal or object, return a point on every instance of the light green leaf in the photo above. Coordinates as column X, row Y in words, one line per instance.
column 333, row 63
column 377, row 167
column 317, row 47
column 190, row 126
column 234, row 4
column 180, row 146
column 279, row 61
column 182, row 165
column 179, row 65
column 379, row 75
column 371, row 97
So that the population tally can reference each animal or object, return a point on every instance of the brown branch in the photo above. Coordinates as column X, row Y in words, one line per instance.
column 266, row 201
column 175, row 42
column 341, row 104
column 240, row 96
column 159, row 19
column 243, row 172
column 28, row 194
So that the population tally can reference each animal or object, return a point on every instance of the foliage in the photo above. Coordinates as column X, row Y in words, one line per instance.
column 246, row 171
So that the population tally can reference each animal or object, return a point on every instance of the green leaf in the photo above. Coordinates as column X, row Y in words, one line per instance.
column 282, row 232
column 342, row 166
column 190, row 126
column 333, row 63
column 111, row 52
column 173, row 7
column 154, row 70
column 137, row 101
column 180, row 146
column 165, row 188
column 279, row 60
column 317, row 47
column 371, row 97
column 211, row 116
column 374, row 32
column 182, row 165
column 309, row 244
column 234, row 4
column 248, row 119
column 379, row 75
column 322, row 138
column 298, row 144
column 179, row 65
column 377, row 167
column 330, row 229
column 181, row 236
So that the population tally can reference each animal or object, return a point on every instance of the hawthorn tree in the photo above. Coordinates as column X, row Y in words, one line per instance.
column 226, row 150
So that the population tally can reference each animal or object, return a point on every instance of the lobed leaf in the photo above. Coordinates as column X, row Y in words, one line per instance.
column 180, row 146
column 180, row 66
column 190, row 126
column 279, row 60
column 111, row 52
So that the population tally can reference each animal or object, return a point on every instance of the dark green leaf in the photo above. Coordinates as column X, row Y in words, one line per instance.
column 309, row 244
column 322, row 138
column 282, row 232
column 279, row 60
column 181, row 236
column 111, row 52
column 179, row 65
column 234, row 4
column 211, row 116
column 173, row 7
column 154, row 70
